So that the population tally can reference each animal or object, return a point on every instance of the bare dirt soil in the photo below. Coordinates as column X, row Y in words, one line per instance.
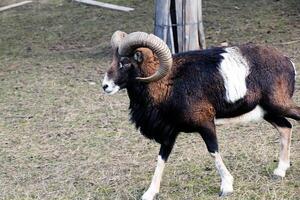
column 62, row 138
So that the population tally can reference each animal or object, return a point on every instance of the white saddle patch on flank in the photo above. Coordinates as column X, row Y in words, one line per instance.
column 234, row 69
column 254, row 115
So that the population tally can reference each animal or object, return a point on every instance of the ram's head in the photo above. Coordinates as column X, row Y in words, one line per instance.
column 130, row 53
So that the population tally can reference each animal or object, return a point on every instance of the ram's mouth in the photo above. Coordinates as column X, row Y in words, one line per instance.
column 109, row 86
column 112, row 90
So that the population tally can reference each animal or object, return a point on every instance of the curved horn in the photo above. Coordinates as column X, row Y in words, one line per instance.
column 140, row 39
column 116, row 39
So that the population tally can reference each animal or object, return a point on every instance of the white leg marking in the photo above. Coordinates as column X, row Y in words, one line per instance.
column 284, row 157
column 226, row 177
column 111, row 87
column 234, row 69
column 155, row 184
column 254, row 115
column 282, row 167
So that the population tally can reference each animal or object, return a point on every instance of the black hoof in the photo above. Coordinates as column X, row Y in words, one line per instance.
column 224, row 194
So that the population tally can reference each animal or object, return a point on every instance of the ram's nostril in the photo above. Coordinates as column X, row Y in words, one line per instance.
column 105, row 86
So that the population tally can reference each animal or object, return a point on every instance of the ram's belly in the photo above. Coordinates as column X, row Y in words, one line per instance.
column 256, row 114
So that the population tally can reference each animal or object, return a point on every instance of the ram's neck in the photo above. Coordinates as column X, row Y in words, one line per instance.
column 145, row 110
column 158, row 91
column 153, row 93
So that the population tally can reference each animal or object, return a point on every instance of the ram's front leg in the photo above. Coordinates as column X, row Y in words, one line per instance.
column 226, row 178
column 164, row 153
column 208, row 133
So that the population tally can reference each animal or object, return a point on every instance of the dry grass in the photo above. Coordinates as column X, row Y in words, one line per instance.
column 62, row 138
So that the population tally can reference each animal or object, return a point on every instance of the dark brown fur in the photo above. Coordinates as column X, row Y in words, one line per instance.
column 159, row 91
column 192, row 95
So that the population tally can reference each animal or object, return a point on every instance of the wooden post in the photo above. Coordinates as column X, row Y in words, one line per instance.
column 200, row 26
column 182, row 30
column 162, row 22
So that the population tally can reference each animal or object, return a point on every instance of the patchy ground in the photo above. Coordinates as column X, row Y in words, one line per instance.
column 62, row 138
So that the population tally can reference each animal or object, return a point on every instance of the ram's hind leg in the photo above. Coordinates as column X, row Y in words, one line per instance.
column 293, row 112
column 208, row 133
column 284, row 127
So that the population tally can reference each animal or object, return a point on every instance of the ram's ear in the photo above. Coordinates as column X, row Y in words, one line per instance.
column 138, row 56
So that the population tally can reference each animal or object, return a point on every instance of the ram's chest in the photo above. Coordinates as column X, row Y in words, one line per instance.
column 151, row 122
